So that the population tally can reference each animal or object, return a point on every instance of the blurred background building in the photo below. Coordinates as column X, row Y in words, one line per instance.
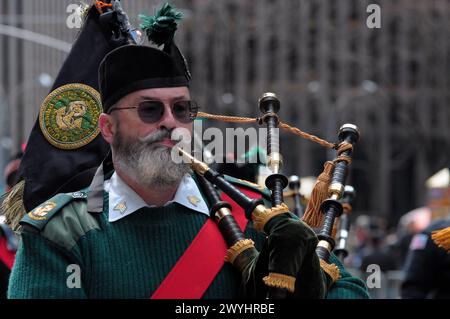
column 319, row 56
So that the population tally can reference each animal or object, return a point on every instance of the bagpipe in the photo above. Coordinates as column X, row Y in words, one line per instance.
column 293, row 262
column 294, row 187
column 341, row 228
column 113, row 17
column 344, row 223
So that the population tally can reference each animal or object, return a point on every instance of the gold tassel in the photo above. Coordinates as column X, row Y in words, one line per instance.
column 335, row 228
column 277, row 280
column 442, row 238
column 12, row 206
column 260, row 218
column 238, row 248
column 331, row 269
column 347, row 208
column 313, row 216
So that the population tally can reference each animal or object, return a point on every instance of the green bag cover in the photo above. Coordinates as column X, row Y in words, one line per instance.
column 289, row 249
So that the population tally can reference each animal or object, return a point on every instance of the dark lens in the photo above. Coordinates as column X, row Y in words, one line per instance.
column 184, row 111
column 151, row 111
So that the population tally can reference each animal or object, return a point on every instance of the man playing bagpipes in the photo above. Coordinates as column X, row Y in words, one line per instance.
column 147, row 227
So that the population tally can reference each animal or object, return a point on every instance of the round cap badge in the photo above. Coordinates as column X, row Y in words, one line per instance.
column 69, row 116
column 40, row 213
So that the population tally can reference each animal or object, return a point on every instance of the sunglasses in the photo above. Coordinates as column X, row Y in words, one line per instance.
column 151, row 111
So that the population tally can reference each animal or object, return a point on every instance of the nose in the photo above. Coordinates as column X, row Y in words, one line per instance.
column 168, row 121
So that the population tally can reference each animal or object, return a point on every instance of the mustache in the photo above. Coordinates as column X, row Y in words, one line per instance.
column 157, row 136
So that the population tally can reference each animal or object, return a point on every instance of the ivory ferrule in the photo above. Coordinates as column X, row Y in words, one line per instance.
column 336, row 189
column 221, row 213
column 324, row 244
column 274, row 162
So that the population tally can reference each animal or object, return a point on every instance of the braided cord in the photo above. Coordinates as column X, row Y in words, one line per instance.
column 284, row 126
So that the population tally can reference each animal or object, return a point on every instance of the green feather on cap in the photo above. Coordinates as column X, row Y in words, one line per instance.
column 161, row 27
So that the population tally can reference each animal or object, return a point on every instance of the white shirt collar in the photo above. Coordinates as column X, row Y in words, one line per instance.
column 124, row 201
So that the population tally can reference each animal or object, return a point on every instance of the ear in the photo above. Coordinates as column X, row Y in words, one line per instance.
column 107, row 127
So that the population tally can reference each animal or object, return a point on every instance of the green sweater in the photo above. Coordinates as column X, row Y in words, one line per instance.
column 128, row 258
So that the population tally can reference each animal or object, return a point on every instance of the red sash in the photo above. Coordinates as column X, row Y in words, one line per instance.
column 6, row 256
column 202, row 260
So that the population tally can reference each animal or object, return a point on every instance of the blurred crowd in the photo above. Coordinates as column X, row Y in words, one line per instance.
column 410, row 263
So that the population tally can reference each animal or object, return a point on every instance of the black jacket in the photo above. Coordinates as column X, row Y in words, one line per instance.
column 427, row 267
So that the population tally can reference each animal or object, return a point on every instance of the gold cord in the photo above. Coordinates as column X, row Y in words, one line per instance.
column 284, row 126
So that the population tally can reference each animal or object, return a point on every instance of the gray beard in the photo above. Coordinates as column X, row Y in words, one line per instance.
column 148, row 164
